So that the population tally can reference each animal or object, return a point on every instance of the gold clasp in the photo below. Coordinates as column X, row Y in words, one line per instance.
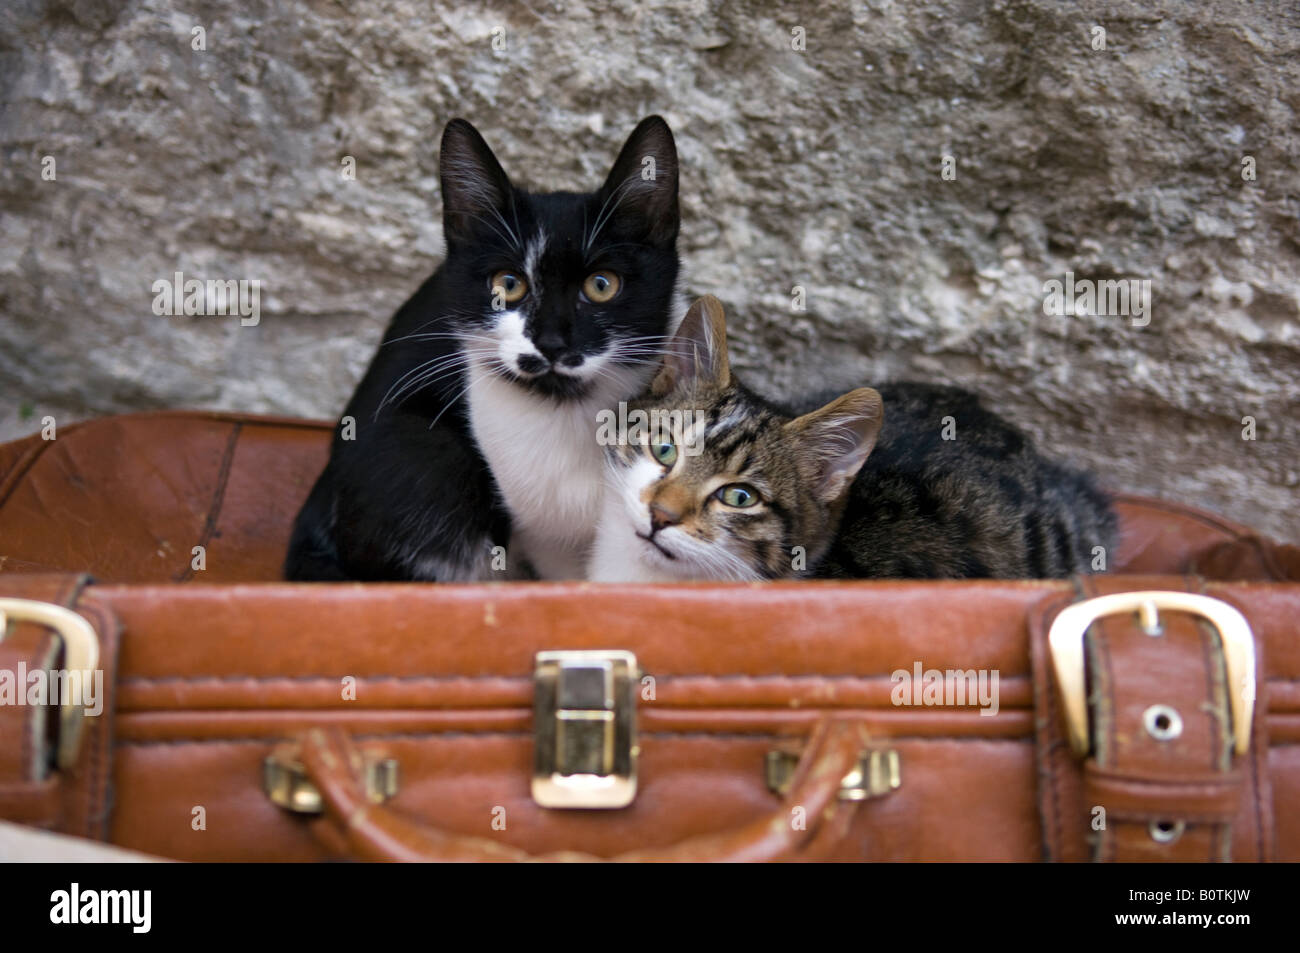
column 584, row 727
column 285, row 781
column 876, row 774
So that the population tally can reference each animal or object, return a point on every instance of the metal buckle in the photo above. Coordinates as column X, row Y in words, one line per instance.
column 1066, row 636
column 285, row 781
column 584, row 727
column 80, row 654
column 875, row 775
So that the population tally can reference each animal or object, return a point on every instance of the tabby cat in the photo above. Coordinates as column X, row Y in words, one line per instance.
column 721, row 484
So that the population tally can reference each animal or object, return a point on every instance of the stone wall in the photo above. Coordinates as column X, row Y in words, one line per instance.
column 1155, row 142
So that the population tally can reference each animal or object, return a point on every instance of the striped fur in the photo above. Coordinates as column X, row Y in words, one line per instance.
column 950, row 490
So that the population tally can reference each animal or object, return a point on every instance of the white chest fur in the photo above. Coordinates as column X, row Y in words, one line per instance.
column 548, row 466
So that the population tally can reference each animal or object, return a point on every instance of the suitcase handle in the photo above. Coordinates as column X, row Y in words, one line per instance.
column 375, row 832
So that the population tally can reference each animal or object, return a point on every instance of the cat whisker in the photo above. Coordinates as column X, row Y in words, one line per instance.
column 397, row 385
column 603, row 218
column 727, row 565
column 415, row 386
column 424, row 374
column 465, row 390
column 431, row 374
column 443, row 335
column 508, row 237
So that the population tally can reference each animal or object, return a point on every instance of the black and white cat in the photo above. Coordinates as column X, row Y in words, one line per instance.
column 474, row 425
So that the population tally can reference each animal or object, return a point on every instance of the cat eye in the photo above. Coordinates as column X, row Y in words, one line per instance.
column 739, row 495
column 601, row 286
column 664, row 451
column 509, row 285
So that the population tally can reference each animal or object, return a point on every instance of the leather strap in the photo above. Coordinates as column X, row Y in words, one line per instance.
column 1211, row 797
column 27, row 792
column 376, row 832
column 1136, row 796
column 32, row 790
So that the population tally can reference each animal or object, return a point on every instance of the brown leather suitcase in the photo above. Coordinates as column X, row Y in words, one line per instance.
column 242, row 718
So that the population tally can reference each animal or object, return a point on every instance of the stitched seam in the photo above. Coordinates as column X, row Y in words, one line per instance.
column 1155, row 814
column 1259, row 740
column 1061, row 752
column 218, row 498
column 1257, row 784
column 1226, row 855
column 1050, row 745
column 97, row 783
column 1109, row 845
column 456, row 735
column 1257, row 777
column 1150, row 786
column 94, row 762
column 333, row 679
column 1210, row 660
column 1053, row 804
column 30, row 768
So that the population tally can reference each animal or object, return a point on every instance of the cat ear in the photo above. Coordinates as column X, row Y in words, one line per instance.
column 474, row 186
column 837, row 439
column 698, row 351
column 641, row 190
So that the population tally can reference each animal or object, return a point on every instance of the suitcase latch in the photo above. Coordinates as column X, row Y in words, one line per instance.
column 584, row 728
column 875, row 775
column 285, row 781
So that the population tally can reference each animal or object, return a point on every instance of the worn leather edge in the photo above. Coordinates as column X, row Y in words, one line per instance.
column 1260, row 781
column 213, row 516
column 89, row 788
column 1054, row 799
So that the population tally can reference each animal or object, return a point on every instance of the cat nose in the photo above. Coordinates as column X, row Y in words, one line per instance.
column 661, row 517
column 552, row 345
column 532, row 364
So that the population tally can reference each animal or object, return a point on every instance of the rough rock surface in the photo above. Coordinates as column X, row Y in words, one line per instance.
column 821, row 168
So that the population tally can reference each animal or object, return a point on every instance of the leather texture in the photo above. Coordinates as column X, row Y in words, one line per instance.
column 809, row 822
column 211, row 671
column 126, row 499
